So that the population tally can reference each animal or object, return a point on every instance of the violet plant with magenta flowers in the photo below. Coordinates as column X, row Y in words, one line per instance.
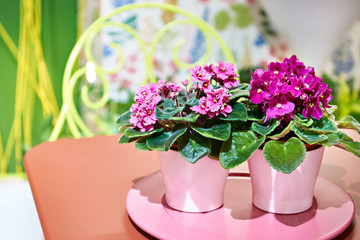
column 289, row 113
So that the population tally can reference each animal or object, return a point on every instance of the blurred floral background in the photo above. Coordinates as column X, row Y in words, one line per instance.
column 37, row 37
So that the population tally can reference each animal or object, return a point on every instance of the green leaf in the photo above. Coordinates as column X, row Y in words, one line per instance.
column 324, row 125
column 192, row 101
column 135, row 132
column 166, row 109
column 284, row 157
column 124, row 139
column 333, row 139
column 350, row 122
column 351, row 145
column 238, row 148
column 332, row 109
column 124, row 118
column 238, row 93
column 238, row 113
column 309, row 137
column 265, row 130
column 162, row 141
column 215, row 130
column 299, row 120
column 255, row 114
column 283, row 133
column 140, row 144
column 215, row 148
column 193, row 146
column 123, row 128
column 192, row 117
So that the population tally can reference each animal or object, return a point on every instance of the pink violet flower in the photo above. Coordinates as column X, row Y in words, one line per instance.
column 206, row 85
column 214, row 103
column 202, row 107
column 199, row 74
column 225, row 74
column 168, row 90
column 143, row 110
column 185, row 82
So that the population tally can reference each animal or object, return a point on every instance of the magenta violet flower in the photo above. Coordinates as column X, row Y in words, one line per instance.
column 287, row 88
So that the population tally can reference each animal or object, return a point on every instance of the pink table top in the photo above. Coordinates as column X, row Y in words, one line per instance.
column 80, row 186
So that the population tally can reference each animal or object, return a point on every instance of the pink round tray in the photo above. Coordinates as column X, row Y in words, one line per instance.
column 331, row 213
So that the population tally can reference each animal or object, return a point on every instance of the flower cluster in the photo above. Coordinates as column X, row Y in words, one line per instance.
column 288, row 88
column 211, row 86
column 215, row 101
column 224, row 74
column 146, row 98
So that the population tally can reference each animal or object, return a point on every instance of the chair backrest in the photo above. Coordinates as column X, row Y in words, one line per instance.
column 69, row 113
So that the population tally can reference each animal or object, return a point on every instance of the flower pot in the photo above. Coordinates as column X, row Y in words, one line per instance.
column 191, row 187
column 282, row 193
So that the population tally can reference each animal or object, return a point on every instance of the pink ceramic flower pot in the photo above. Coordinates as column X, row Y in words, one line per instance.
column 282, row 193
column 191, row 187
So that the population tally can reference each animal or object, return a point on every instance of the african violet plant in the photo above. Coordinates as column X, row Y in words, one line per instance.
column 284, row 111
column 195, row 119
column 289, row 113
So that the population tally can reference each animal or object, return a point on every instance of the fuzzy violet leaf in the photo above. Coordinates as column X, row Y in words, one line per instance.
column 162, row 141
column 124, row 139
column 323, row 125
column 255, row 114
column 140, row 144
column 124, row 118
column 284, row 157
column 135, row 132
column 351, row 145
column 238, row 113
column 264, row 129
column 192, row 147
column 282, row 133
column 192, row 117
column 333, row 139
column 299, row 120
column 215, row 130
column 350, row 122
column 238, row 148
column 307, row 136
column 166, row 110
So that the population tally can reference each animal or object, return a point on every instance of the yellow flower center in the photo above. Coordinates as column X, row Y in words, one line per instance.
column 259, row 90
column 215, row 101
column 203, row 106
column 265, row 83
column 198, row 73
column 278, row 105
column 296, row 88
column 276, row 72
column 149, row 112
column 306, row 85
column 311, row 105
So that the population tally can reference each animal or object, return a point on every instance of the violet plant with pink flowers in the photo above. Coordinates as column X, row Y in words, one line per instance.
column 195, row 118
column 288, row 114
